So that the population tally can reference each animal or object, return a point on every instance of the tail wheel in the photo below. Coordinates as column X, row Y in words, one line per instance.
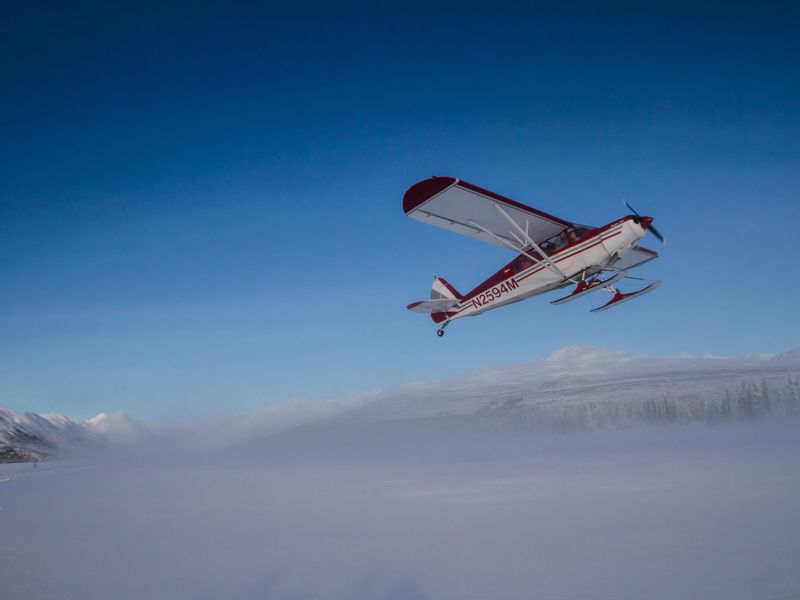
column 440, row 332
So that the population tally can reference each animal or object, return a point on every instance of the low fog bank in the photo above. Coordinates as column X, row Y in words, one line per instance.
column 575, row 389
column 587, row 474
column 689, row 511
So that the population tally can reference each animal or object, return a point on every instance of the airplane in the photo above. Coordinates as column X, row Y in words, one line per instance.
column 552, row 253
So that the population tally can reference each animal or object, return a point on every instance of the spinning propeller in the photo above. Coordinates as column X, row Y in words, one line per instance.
column 647, row 223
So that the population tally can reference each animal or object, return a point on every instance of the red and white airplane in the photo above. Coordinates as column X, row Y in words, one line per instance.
column 553, row 253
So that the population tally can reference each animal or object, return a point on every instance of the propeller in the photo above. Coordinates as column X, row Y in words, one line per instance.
column 647, row 223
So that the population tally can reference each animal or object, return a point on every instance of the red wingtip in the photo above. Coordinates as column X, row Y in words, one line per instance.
column 424, row 190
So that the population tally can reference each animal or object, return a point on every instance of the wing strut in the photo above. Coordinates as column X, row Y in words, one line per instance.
column 505, row 242
column 551, row 265
column 545, row 259
column 521, row 248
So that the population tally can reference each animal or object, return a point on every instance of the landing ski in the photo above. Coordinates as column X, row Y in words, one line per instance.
column 619, row 297
column 582, row 290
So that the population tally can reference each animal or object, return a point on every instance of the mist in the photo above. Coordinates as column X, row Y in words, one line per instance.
column 585, row 474
column 690, row 511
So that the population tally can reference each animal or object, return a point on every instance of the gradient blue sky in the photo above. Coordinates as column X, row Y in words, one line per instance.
column 200, row 203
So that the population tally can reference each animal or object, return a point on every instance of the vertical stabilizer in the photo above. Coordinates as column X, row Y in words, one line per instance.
column 443, row 290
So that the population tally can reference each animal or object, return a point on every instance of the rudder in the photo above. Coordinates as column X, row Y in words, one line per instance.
column 442, row 290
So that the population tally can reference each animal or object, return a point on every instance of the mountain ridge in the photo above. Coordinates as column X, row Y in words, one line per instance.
column 27, row 436
column 576, row 387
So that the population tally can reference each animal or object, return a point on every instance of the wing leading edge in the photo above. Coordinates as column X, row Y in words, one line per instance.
column 467, row 209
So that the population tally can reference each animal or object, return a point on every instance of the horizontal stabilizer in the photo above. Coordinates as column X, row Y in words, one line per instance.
column 429, row 307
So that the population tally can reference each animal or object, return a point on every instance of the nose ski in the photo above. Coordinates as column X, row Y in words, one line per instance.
column 620, row 297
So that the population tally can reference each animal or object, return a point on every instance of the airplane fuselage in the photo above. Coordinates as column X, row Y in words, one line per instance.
column 597, row 249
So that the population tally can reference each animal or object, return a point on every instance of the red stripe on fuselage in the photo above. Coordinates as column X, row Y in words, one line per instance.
column 502, row 275
column 600, row 241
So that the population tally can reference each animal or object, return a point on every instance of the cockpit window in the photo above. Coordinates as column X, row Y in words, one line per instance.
column 560, row 240
column 551, row 246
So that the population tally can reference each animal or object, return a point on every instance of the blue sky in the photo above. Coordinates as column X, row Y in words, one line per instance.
column 200, row 206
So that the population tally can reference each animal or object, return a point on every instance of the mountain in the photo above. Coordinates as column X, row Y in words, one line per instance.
column 28, row 436
column 574, row 388
column 118, row 427
column 581, row 387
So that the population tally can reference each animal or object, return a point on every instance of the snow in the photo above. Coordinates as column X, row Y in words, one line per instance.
column 578, row 353
column 118, row 427
column 578, row 387
column 694, row 511
column 39, row 437
column 554, row 478
column 575, row 388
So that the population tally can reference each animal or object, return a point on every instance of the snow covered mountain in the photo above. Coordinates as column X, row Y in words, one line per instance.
column 575, row 388
column 585, row 387
column 27, row 436
column 119, row 428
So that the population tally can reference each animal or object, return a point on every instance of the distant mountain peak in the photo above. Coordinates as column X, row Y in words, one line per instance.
column 28, row 436
column 117, row 426
column 791, row 355
column 98, row 418
column 581, row 352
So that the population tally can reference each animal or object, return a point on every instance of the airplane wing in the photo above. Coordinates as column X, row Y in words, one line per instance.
column 634, row 257
column 465, row 208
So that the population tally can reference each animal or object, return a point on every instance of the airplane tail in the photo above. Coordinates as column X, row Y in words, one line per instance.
column 444, row 297
column 442, row 290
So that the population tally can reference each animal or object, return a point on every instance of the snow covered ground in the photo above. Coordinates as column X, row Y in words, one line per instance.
column 588, row 474
column 682, row 511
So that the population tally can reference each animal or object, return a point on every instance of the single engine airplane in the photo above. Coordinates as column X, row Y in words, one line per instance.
column 552, row 253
